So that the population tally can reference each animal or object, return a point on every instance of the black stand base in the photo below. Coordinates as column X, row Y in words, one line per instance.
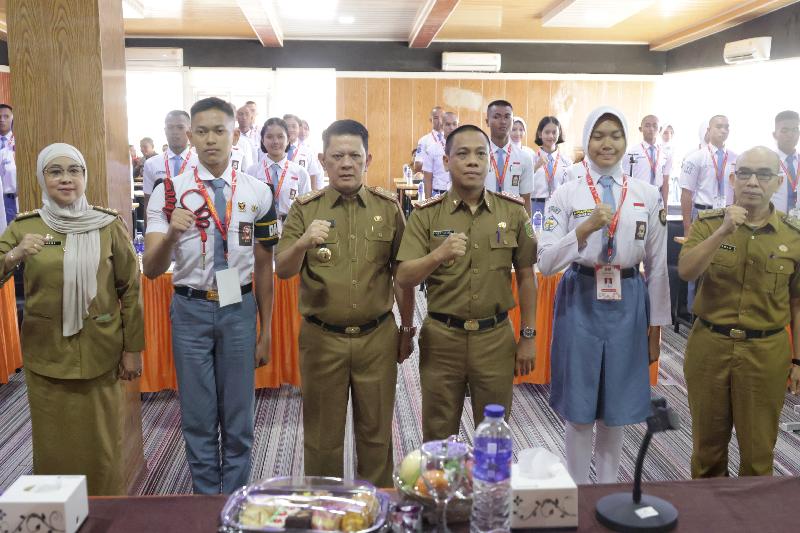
column 618, row 513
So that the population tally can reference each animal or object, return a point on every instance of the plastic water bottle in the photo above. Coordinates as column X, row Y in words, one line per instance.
column 491, row 475
column 138, row 244
column 537, row 222
column 407, row 174
column 421, row 191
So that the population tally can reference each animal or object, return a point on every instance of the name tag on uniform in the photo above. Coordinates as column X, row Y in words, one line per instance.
column 230, row 292
column 442, row 232
column 515, row 180
column 607, row 281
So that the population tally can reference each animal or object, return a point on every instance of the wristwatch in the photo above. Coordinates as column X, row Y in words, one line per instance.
column 527, row 333
column 408, row 329
column 796, row 362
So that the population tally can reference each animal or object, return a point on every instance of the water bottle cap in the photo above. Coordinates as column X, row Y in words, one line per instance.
column 494, row 411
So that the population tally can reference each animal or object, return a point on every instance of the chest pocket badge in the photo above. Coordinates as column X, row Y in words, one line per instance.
column 641, row 230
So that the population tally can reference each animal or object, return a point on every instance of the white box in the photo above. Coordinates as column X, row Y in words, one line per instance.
column 42, row 503
column 543, row 503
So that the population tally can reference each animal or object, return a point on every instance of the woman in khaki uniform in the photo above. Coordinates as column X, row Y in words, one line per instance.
column 83, row 326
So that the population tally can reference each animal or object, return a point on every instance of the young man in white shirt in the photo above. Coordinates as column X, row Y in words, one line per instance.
column 510, row 170
column 786, row 135
column 434, row 137
column 247, row 129
column 436, row 177
column 648, row 161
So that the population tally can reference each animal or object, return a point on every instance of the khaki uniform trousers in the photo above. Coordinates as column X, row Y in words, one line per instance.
column 451, row 358
column 332, row 365
column 734, row 383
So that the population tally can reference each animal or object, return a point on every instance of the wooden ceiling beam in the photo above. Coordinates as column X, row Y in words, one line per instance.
column 430, row 20
column 727, row 19
column 262, row 18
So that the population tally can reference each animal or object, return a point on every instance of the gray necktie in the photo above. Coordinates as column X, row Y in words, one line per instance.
column 652, row 162
column 501, row 165
column 220, row 263
column 607, row 182
column 273, row 169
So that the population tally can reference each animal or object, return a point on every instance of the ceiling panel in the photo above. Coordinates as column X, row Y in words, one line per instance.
column 347, row 19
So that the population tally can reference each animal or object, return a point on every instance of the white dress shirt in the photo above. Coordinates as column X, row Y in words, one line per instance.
column 252, row 205
column 561, row 173
column 431, row 138
column 307, row 157
column 573, row 203
column 8, row 170
column 698, row 174
column 518, row 177
column 296, row 181
column 781, row 197
column 155, row 170
column 433, row 162
column 639, row 153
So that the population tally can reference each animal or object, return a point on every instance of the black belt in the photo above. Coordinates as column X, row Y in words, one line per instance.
column 740, row 334
column 349, row 330
column 436, row 192
column 10, row 195
column 703, row 207
column 472, row 324
column 538, row 199
column 589, row 271
column 212, row 296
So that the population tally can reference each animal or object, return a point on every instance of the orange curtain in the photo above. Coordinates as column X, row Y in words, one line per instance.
column 10, row 349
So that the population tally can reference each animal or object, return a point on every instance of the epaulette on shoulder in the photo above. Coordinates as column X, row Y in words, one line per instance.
column 106, row 210
column 792, row 222
column 307, row 197
column 27, row 214
column 383, row 193
column 710, row 213
column 431, row 201
column 509, row 197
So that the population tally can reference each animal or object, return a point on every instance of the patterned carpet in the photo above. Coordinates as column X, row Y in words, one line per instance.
column 278, row 440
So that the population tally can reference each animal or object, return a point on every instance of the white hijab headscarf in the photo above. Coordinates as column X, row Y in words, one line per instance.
column 81, row 224
column 591, row 122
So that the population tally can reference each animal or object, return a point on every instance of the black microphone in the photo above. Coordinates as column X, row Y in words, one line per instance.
column 632, row 161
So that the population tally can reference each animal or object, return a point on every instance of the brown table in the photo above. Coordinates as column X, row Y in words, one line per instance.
column 724, row 504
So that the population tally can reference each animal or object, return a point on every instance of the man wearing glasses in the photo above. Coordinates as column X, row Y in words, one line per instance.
column 738, row 355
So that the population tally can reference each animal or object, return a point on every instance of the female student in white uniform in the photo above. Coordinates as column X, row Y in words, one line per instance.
column 518, row 133
column 607, row 318
column 287, row 179
column 551, row 167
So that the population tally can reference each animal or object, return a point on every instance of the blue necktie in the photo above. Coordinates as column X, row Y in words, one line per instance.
column 291, row 151
column 501, row 165
column 3, row 142
column 273, row 170
column 793, row 179
column 220, row 263
column 721, row 173
column 176, row 164
column 550, row 162
column 607, row 182
column 652, row 162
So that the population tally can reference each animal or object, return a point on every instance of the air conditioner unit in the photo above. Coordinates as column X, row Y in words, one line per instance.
column 470, row 62
column 755, row 49
column 153, row 58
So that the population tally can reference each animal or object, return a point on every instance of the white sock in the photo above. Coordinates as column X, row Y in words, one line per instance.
column 607, row 452
column 578, row 444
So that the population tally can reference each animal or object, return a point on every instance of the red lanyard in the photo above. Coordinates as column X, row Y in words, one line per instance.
column 720, row 174
column 183, row 166
column 223, row 228
column 501, row 177
column 437, row 140
column 654, row 163
column 788, row 175
column 612, row 226
column 269, row 176
column 550, row 177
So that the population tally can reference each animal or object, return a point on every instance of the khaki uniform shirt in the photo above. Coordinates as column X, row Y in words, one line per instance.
column 499, row 234
column 115, row 322
column 347, row 281
column 752, row 275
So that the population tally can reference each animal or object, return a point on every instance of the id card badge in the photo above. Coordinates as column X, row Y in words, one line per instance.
column 607, row 281
column 230, row 292
column 719, row 202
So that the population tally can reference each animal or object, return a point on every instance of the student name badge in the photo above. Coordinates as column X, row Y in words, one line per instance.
column 230, row 292
column 719, row 202
column 607, row 281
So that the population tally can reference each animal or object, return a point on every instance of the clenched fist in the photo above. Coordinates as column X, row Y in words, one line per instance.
column 454, row 246
column 181, row 220
column 600, row 217
column 30, row 245
column 735, row 216
column 316, row 233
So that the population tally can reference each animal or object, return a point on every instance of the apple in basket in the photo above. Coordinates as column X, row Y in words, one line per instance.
column 409, row 474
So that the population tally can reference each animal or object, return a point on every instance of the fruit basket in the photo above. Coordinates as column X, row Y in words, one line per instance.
column 305, row 504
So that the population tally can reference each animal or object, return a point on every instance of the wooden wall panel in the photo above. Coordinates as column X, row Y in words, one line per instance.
column 396, row 110
column 5, row 88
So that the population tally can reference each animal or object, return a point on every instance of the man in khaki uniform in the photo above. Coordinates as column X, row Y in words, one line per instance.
column 463, row 244
column 343, row 241
column 738, row 354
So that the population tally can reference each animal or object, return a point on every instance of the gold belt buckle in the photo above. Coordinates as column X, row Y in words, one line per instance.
column 738, row 334
column 212, row 295
column 352, row 330
column 471, row 325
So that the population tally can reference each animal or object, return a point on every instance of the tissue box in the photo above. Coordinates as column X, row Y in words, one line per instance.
column 543, row 503
column 44, row 503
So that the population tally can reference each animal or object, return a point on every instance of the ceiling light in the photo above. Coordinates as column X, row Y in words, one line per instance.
column 346, row 19
column 592, row 13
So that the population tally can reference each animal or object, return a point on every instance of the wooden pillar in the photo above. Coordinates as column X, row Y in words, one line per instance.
column 67, row 60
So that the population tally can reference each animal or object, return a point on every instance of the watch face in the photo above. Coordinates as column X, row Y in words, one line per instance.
column 528, row 333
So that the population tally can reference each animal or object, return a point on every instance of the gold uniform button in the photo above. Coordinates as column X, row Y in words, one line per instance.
column 752, row 237
column 780, row 267
column 355, row 282
column 475, row 245
column 474, row 296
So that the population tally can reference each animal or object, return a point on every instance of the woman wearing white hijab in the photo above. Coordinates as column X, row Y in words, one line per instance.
column 607, row 318
column 83, row 327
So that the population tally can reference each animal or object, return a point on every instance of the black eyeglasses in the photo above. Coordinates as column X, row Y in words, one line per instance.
column 745, row 174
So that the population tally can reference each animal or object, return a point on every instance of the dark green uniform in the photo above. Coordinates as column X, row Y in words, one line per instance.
column 347, row 282
column 733, row 381
column 476, row 286
column 74, row 394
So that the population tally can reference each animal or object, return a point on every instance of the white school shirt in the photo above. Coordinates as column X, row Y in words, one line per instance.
column 252, row 206
column 253, row 135
column 698, row 175
column 8, row 170
column 519, row 174
column 639, row 154
column 296, row 182
column 573, row 203
column 561, row 173
column 781, row 197
column 307, row 157
column 424, row 143
column 154, row 167
column 433, row 162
